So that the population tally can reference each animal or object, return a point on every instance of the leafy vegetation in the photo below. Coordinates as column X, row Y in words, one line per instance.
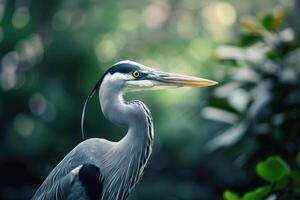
column 262, row 95
column 266, row 111
column 283, row 183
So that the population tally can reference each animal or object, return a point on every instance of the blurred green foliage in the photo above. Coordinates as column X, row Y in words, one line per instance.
column 52, row 52
column 284, row 183
column 266, row 113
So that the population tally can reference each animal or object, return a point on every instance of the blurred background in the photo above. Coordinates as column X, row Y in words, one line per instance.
column 206, row 140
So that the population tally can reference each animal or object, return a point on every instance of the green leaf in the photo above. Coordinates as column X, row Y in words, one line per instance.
column 295, row 176
column 298, row 158
column 230, row 195
column 247, row 40
column 267, row 22
column 272, row 22
column 281, row 184
column 272, row 169
column 258, row 194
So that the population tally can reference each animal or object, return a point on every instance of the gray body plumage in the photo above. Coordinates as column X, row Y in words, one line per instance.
column 122, row 162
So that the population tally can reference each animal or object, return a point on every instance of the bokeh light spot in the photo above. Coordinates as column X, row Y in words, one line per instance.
column 23, row 125
column 8, row 77
column 225, row 13
column 20, row 17
column 199, row 49
column 129, row 20
column 156, row 14
column 41, row 107
column 37, row 104
column 31, row 50
column 106, row 50
column 61, row 20
column 186, row 26
column 217, row 17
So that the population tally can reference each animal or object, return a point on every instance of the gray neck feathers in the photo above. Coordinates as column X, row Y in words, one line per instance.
column 134, row 148
column 133, row 115
column 113, row 105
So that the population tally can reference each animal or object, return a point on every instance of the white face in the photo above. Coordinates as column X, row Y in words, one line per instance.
column 131, row 81
column 146, row 78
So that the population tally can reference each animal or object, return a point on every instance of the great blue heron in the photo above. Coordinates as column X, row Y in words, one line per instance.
column 101, row 169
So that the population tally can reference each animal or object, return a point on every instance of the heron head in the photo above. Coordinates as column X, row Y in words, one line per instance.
column 133, row 76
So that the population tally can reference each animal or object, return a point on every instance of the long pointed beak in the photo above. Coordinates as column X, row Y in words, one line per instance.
column 172, row 79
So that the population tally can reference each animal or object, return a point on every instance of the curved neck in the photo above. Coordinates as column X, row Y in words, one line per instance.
column 134, row 149
column 114, row 107
column 133, row 116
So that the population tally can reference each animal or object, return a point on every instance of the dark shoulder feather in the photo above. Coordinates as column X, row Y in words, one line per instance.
column 91, row 179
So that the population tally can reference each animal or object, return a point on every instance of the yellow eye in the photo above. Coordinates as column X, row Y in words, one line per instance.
column 136, row 74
